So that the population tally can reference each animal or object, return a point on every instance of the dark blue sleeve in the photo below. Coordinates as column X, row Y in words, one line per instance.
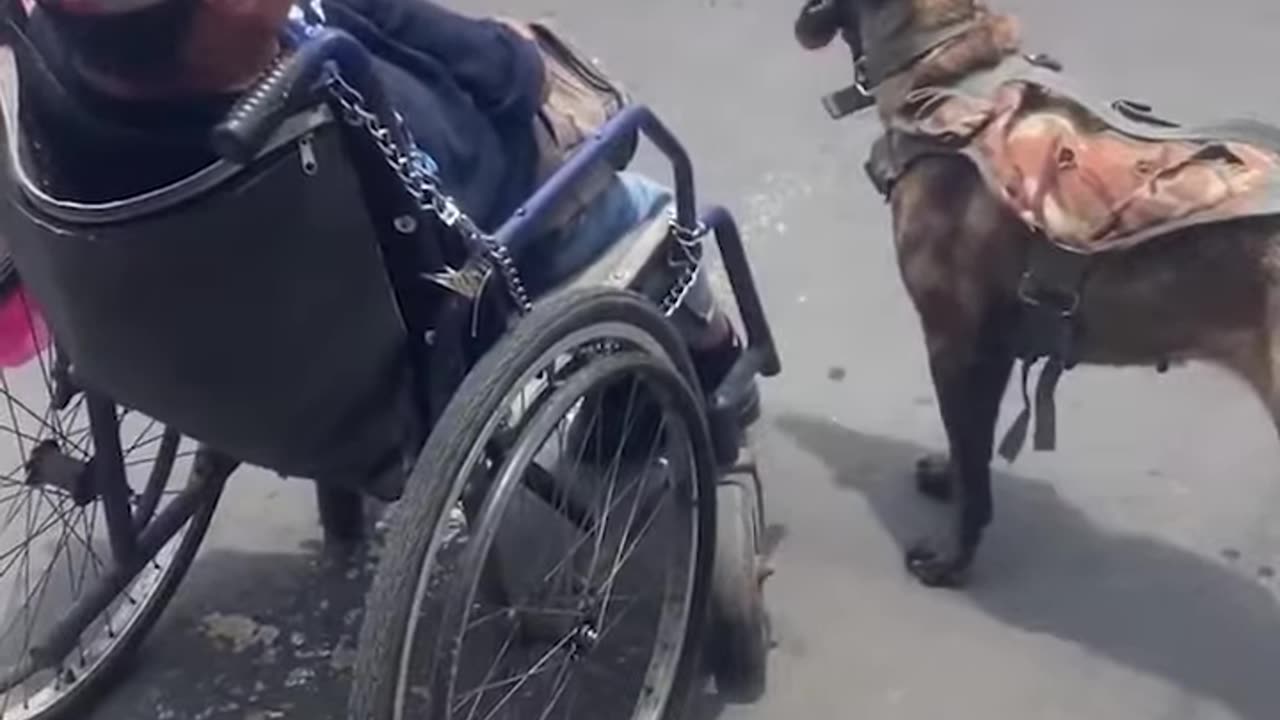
column 501, row 71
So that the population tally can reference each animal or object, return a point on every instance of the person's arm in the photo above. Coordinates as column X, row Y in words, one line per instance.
column 501, row 71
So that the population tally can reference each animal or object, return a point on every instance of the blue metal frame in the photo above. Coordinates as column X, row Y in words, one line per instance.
column 527, row 224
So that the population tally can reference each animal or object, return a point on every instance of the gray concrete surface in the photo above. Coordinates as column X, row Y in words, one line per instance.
column 1128, row 576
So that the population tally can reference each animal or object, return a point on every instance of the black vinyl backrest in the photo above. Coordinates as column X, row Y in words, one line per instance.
column 248, row 307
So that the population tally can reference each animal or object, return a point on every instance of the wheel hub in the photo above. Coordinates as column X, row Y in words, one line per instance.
column 49, row 466
column 585, row 638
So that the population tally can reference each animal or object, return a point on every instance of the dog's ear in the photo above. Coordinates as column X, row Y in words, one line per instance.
column 818, row 23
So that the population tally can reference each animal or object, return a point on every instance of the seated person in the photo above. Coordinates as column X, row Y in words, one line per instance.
column 468, row 88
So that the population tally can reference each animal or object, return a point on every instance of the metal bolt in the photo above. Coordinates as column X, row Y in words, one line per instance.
column 406, row 224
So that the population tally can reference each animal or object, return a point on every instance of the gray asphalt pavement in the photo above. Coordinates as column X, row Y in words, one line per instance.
column 1128, row 576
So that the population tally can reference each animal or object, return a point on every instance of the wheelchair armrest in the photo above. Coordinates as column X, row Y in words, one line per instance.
column 291, row 83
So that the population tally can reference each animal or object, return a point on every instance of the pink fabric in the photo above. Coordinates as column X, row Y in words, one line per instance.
column 23, row 332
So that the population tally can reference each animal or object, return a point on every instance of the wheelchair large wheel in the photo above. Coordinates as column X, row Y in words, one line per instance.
column 535, row 570
column 54, row 549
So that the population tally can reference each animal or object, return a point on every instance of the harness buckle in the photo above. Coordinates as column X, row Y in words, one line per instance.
column 857, row 97
column 860, row 79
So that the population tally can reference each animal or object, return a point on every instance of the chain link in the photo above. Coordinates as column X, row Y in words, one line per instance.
column 416, row 171
column 686, row 260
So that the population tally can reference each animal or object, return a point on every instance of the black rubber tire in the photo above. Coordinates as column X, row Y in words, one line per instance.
column 116, row 661
column 738, row 643
column 432, row 488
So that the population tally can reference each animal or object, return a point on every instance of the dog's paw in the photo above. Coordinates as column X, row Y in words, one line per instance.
column 937, row 569
column 933, row 477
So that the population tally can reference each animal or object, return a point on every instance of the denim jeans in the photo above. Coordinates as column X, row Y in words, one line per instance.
column 628, row 201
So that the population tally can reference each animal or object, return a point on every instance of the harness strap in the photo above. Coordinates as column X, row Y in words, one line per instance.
column 1046, row 410
column 1050, row 293
column 1046, row 438
column 1016, row 436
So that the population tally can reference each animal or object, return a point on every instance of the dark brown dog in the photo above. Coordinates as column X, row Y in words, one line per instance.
column 1208, row 293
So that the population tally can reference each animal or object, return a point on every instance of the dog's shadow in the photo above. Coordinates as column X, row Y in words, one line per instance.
column 1046, row 568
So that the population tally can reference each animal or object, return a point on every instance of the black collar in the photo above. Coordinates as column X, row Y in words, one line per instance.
column 885, row 58
column 892, row 55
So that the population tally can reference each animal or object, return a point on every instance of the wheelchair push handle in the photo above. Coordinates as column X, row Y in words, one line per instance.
column 289, row 85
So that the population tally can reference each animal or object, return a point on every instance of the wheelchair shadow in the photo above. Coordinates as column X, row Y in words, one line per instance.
column 1048, row 569
column 261, row 636
column 251, row 636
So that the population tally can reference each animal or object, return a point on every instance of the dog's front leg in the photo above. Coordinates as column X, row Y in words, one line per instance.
column 970, row 382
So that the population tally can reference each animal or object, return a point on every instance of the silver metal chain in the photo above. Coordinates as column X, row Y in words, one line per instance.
column 686, row 261
column 421, row 182
column 411, row 166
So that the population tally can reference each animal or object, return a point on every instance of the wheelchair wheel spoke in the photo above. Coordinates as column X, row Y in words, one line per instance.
column 14, row 404
column 42, row 586
column 623, row 553
column 11, row 406
column 558, row 686
column 493, row 667
column 137, row 440
column 614, row 465
column 19, row 434
column 150, row 460
column 516, row 683
column 53, row 556
column 624, row 557
column 140, row 443
column 619, row 616
column 13, row 495
column 13, row 555
column 589, row 537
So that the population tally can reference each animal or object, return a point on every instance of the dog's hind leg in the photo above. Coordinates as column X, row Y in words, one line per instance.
column 969, row 394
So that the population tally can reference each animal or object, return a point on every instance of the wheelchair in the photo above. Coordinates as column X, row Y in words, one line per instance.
column 577, row 525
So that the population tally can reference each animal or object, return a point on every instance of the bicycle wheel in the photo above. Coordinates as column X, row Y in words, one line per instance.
column 502, row 521
column 53, row 535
